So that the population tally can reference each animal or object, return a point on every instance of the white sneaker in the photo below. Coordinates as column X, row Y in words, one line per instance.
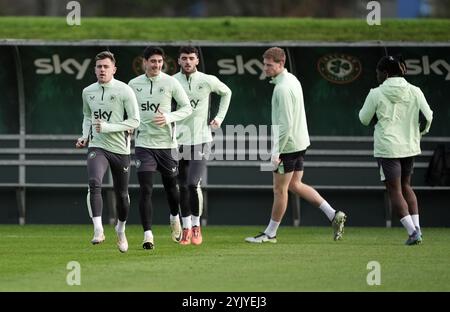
column 98, row 238
column 122, row 242
column 148, row 243
column 338, row 225
column 175, row 227
column 261, row 238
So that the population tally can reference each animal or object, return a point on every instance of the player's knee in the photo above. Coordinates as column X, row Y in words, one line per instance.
column 279, row 191
column 170, row 185
column 146, row 189
column 95, row 185
column 123, row 197
column 406, row 187
column 169, row 181
column 294, row 185
column 183, row 188
column 194, row 187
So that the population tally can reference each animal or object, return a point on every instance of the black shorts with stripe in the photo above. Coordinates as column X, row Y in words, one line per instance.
column 163, row 160
column 394, row 168
column 291, row 162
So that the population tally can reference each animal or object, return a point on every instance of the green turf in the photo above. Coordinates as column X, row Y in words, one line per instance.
column 34, row 258
column 224, row 29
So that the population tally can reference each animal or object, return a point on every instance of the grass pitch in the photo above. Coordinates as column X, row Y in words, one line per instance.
column 34, row 258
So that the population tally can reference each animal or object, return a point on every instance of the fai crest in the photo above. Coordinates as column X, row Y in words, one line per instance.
column 339, row 68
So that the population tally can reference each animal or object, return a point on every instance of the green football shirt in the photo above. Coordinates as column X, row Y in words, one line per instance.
column 115, row 104
column 198, row 86
column 288, row 114
column 155, row 95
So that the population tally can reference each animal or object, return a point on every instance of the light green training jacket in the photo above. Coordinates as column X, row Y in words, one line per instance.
column 396, row 104
column 155, row 95
column 288, row 113
column 195, row 128
column 114, row 103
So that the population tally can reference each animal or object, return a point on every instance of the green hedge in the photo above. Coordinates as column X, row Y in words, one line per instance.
column 224, row 29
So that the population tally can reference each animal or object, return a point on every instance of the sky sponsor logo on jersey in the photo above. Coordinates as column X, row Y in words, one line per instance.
column 55, row 65
column 147, row 106
column 102, row 114
column 194, row 103
column 339, row 68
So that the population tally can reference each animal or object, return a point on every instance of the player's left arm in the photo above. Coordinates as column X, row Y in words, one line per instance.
column 184, row 108
column 224, row 92
column 425, row 111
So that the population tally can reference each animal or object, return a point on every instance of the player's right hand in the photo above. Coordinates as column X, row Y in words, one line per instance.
column 160, row 119
column 81, row 142
column 275, row 160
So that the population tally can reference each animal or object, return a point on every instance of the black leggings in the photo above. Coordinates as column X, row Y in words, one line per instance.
column 190, row 179
column 97, row 164
column 145, row 179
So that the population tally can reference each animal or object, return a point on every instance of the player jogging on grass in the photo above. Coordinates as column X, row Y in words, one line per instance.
column 395, row 107
column 110, row 112
column 194, row 138
column 288, row 114
column 156, row 140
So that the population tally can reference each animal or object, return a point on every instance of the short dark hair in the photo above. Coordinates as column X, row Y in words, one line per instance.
column 275, row 53
column 149, row 51
column 393, row 65
column 188, row 50
column 104, row 55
